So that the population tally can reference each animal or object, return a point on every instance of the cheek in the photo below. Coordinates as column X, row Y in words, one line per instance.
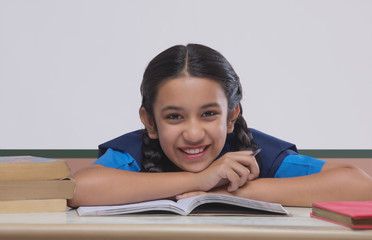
column 167, row 132
column 219, row 126
column 163, row 129
column 218, row 132
column 167, row 138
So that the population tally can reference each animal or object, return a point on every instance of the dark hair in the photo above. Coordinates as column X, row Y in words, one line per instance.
column 197, row 61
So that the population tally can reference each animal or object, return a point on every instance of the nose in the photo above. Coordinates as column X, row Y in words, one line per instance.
column 194, row 132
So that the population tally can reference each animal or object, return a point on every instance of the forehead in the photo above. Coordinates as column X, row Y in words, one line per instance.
column 191, row 90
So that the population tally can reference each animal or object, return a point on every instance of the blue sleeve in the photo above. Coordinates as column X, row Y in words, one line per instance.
column 299, row 165
column 118, row 160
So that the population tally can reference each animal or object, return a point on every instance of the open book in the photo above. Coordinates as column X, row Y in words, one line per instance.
column 186, row 206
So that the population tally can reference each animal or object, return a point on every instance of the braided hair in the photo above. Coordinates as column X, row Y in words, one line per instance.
column 197, row 61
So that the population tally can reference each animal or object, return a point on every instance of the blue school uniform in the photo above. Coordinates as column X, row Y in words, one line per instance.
column 279, row 158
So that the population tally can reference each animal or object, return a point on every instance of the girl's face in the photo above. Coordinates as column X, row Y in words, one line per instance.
column 191, row 115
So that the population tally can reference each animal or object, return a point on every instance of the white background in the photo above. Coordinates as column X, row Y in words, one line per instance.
column 70, row 70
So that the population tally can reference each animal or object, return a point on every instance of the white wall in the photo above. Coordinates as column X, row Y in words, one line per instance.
column 70, row 70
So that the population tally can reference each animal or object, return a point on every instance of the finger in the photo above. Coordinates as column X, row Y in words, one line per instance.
column 245, row 161
column 246, row 158
column 189, row 194
column 243, row 173
column 254, row 171
column 234, row 179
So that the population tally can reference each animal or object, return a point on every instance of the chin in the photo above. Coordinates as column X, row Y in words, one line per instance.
column 194, row 169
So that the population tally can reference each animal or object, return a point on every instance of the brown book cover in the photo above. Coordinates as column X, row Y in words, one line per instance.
column 32, row 168
column 33, row 205
column 49, row 189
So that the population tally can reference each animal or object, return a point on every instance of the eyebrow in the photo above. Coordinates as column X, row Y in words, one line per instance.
column 210, row 105
column 175, row 108
column 171, row 108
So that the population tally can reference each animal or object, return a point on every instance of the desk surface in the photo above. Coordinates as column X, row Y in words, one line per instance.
column 68, row 225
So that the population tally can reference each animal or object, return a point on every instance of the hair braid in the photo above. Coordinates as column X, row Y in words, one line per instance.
column 243, row 136
column 154, row 159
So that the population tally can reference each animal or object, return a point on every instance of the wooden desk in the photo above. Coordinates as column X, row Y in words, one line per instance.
column 67, row 225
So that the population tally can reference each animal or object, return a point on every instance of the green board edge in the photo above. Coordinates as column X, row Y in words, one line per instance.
column 91, row 153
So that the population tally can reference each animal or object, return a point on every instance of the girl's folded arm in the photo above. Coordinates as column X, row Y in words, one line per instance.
column 99, row 185
column 336, row 182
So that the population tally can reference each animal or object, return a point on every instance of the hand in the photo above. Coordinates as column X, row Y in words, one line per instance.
column 190, row 194
column 233, row 168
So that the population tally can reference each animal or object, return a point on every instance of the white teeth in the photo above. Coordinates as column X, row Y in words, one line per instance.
column 193, row 151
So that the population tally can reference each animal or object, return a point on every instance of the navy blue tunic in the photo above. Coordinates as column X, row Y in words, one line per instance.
column 273, row 152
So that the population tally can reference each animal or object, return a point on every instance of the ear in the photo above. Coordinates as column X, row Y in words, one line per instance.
column 233, row 115
column 149, row 123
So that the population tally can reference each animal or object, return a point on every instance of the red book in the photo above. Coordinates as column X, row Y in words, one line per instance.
column 354, row 214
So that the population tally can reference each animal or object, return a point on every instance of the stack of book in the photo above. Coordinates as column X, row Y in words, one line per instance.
column 34, row 184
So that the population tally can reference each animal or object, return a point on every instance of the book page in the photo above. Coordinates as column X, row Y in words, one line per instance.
column 183, row 206
column 157, row 205
column 189, row 204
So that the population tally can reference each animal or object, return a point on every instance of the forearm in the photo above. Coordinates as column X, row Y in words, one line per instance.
column 99, row 185
column 338, row 184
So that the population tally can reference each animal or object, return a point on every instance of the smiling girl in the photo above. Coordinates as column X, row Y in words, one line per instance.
column 196, row 141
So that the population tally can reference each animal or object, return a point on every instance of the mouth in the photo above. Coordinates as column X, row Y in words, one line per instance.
column 194, row 152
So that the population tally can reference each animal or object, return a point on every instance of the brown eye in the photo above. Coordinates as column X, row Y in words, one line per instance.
column 209, row 114
column 174, row 116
